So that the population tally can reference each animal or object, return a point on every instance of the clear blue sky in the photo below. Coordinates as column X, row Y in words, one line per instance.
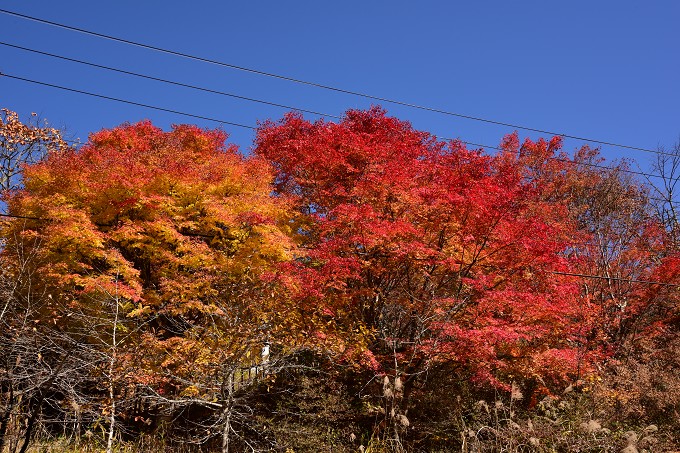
column 604, row 69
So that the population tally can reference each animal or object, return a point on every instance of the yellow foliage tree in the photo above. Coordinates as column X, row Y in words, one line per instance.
column 172, row 238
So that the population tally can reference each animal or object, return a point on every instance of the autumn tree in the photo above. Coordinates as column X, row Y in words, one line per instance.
column 38, row 365
column 425, row 254
column 169, row 238
column 151, row 274
column 626, row 249
column 664, row 191
column 622, row 250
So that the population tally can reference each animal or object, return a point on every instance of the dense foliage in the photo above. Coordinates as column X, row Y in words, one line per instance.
column 431, row 252
column 162, row 282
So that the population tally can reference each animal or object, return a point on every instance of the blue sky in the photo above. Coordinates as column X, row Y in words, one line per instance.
column 608, row 70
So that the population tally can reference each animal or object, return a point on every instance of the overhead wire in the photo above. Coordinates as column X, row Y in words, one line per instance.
column 220, row 121
column 12, row 216
column 125, row 101
column 250, row 99
column 166, row 81
column 261, row 101
column 251, row 127
column 233, row 95
column 620, row 279
column 317, row 85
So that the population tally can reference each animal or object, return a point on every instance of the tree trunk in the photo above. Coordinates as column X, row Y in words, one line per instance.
column 112, row 423
column 226, row 429
column 30, row 426
column 112, row 364
column 226, row 412
column 4, row 422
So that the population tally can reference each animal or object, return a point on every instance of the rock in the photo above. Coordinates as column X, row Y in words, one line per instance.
column 631, row 437
column 403, row 420
column 534, row 442
column 592, row 426
column 650, row 429
column 648, row 441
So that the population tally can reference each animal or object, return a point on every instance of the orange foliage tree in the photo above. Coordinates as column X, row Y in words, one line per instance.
column 158, row 245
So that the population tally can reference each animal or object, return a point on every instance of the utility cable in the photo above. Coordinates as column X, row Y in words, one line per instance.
column 209, row 90
column 170, row 82
column 261, row 101
column 11, row 216
column 620, row 279
column 191, row 115
column 318, row 85
column 125, row 101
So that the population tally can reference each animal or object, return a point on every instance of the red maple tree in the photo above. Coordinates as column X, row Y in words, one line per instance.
column 423, row 252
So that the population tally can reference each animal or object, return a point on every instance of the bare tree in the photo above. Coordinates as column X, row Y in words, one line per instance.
column 41, row 367
column 23, row 143
column 665, row 187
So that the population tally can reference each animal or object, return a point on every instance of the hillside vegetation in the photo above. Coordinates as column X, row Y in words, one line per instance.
column 349, row 286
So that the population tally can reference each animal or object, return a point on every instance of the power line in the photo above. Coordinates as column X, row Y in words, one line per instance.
column 314, row 84
column 250, row 127
column 591, row 165
column 177, row 112
column 261, row 101
column 24, row 217
column 170, row 82
column 568, row 161
column 125, row 101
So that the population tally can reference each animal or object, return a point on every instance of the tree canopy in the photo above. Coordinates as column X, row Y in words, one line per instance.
column 432, row 252
column 176, row 263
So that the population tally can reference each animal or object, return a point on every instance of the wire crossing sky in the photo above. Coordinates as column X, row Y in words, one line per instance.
column 222, row 122
column 605, row 72
column 305, row 82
